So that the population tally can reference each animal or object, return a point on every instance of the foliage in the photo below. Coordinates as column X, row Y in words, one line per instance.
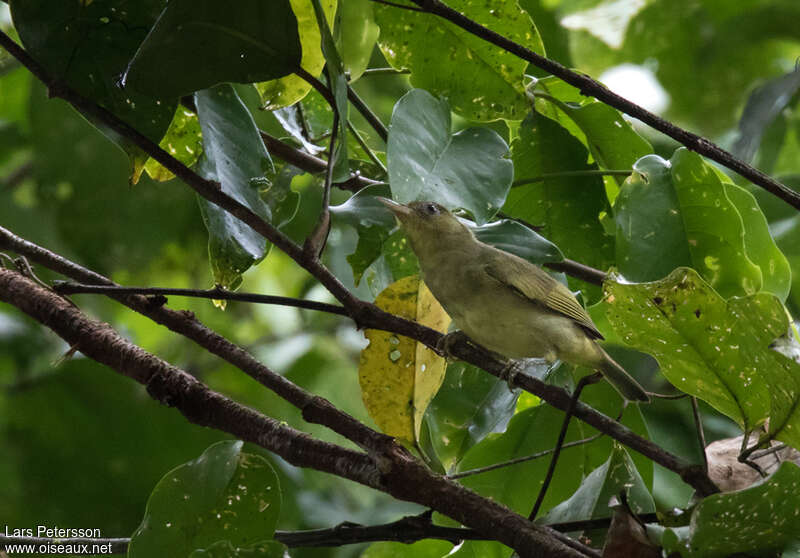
column 704, row 268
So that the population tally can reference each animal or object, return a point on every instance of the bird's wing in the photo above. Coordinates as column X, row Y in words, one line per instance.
column 536, row 285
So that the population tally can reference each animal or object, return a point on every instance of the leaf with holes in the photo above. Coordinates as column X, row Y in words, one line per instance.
column 682, row 212
column 223, row 496
column 399, row 376
column 714, row 349
column 481, row 81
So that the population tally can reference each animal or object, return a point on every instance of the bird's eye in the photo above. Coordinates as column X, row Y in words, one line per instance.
column 431, row 209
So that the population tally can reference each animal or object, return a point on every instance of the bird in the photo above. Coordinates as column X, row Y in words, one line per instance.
column 502, row 302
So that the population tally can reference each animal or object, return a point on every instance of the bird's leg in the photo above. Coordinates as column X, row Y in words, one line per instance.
column 582, row 383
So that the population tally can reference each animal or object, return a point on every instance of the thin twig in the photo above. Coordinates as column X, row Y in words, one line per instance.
column 579, row 271
column 360, row 139
column 357, row 102
column 68, row 288
column 366, row 112
column 510, row 462
column 701, row 435
column 519, row 220
column 769, row 451
column 667, row 395
column 590, row 87
column 745, row 452
column 316, row 240
column 582, row 383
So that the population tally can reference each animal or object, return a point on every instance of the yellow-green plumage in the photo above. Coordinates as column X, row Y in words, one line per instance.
column 503, row 302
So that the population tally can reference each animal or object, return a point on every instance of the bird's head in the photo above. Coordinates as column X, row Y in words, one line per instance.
column 425, row 221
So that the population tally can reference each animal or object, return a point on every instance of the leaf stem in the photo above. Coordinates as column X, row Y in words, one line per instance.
column 371, row 154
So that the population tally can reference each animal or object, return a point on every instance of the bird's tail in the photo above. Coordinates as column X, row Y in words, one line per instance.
column 622, row 381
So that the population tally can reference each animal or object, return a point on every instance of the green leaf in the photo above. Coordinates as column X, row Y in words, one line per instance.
column 87, row 45
column 651, row 235
column 481, row 81
column 567, row 208
column 763, row 105
column 183, row 140
column 590, row 501
column 531, row 431
column 337, row 82
column 518, row 239
column 785, row 228
column 470, row 405
column 233, row 155
column 364, row 209
column 776, row 274
column 680, row 212
column 196, row 44
column 286, row 91
column 714, row 349
column 756, row 520
column 468, row 169
column 610, row 138
column 356, row 33
column 223, row 495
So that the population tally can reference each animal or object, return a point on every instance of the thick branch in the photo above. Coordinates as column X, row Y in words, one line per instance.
column 590, row 87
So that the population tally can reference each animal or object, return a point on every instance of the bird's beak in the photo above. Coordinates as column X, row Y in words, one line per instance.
column 400, row 211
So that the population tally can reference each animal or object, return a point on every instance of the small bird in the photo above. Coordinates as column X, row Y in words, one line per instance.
column 502, row 302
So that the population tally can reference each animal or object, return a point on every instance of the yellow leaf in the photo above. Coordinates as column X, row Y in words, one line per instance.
column 399, row 376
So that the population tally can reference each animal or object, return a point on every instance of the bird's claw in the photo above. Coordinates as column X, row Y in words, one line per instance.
column 509, row 373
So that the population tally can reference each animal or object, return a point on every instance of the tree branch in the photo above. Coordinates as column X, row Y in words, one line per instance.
column 590, row 87
column 67, row 288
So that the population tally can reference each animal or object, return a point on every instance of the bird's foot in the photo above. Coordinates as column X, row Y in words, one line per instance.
column 509, row 373
column 444, row 347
